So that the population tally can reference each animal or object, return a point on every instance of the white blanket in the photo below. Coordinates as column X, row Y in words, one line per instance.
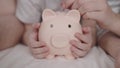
column 20, row 57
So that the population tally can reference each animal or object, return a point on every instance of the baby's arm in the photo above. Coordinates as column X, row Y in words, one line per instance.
column 30, row 38
column 11, row 29
column 92, row 24
column 29, row 13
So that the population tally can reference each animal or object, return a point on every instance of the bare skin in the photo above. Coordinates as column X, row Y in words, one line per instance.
column 110, row 43
column 11, row 29
column 88, row 38
column 106, row 19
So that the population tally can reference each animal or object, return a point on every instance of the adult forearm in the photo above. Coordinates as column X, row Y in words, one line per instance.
column 115, row 27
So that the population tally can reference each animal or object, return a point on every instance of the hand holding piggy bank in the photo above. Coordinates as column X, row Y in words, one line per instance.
column 57, row 29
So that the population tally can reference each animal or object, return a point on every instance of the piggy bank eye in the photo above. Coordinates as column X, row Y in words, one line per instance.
column 69, row 26
column 51, row 25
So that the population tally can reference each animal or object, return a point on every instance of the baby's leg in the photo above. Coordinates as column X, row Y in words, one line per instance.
column 111, row 44
column 10, row 31
column 10, row 28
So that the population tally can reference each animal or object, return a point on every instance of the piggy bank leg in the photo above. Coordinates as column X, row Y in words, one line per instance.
column 70, row 56
column 51, row 56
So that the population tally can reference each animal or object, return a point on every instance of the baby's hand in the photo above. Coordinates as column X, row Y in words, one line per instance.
column 82, row 47
column 38, row 48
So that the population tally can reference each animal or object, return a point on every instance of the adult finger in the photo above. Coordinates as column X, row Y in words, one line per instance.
column 75, row 5
column 93, row 15
column 90, row 6
column 67, row 3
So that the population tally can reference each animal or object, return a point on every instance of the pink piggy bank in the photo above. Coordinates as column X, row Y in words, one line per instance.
column 57, row 29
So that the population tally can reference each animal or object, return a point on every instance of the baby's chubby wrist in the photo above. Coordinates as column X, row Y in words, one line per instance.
column 27, row 31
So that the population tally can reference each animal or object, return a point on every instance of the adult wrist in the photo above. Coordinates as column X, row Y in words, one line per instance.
column 115, row 26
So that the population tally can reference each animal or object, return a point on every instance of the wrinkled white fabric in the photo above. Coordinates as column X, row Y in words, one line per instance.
column 20, row 57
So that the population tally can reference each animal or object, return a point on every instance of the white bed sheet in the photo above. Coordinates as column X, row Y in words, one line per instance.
column 20, row 57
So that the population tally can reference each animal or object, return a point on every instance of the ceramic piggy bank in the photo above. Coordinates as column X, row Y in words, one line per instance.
column 57, row 29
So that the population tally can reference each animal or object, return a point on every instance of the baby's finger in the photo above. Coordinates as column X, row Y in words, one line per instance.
column 78, row 52
column 83, row 1
column 39, row 50
column 37, row 44
column 75, row 55
column 81, row 46
column 75, row 44
column 81, row 38
column 41, row 56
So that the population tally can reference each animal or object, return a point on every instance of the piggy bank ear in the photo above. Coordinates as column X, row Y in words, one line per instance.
column 48, row 13
column 75, row 14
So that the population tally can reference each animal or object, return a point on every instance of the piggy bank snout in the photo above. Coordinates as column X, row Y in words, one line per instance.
column 60, row 41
